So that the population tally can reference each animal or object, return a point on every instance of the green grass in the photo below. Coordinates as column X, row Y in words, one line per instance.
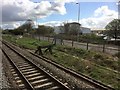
column 26, row 42
column 85, row 66
column 95, row 57
column 30, row 43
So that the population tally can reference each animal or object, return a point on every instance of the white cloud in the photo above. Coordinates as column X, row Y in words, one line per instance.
column 18, row 10
column 56, row 23
column 101, row 17
column 85, row 0
column 11, row 25
column 21, row 10
column 52, row 23
column 66, row 1
column 15, row 10
column 104, row 10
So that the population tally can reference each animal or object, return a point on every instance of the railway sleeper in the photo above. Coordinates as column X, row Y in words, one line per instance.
column 19, row 81
column 45, row 85
column 30, row 72
column 41, row 81
column 17, row 78
column 53, row 88
column 36, row 78
column 23, row 65
column 26, row 70
column 21, row 85
column 15, row 74
column 33, row 75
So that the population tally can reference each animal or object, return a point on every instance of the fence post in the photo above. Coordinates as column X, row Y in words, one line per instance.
column 55, row 40
column 39, row 37
column 48, row 39
column 72, row 43
column 61, row 41
column 104, row 47
column 87, row 45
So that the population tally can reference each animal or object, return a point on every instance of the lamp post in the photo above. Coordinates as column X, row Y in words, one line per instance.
column 78, row 20
column 78, row 11
column 119, row 10
column 36, row 17
column 36, row 22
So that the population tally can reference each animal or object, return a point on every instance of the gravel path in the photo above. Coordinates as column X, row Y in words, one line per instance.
column 0, row 69
column 3, row 79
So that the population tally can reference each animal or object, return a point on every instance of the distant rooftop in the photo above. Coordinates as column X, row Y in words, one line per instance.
column 97, row 29
column 74, row 23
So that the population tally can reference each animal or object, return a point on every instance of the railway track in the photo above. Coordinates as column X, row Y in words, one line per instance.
column 28, row 75
column 80, row 76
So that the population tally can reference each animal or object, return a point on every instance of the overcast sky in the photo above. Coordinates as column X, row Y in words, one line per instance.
column 93, row 14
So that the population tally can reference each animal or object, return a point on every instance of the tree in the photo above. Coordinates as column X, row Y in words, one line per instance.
column 27, row 26
column 66, row 26
column 113, row 28
column 71, row 28
column 13, row 31
column 45, row 30
column 50, row 30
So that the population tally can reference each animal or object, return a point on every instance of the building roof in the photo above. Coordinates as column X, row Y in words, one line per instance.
column 86, row 27
column 98, row 29
column 74, row 23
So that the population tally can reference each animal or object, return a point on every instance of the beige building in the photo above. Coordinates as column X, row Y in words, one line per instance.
column 97, row 31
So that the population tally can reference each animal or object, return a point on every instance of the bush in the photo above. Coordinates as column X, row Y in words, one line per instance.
column 98, row 56
column 118, row 54
column 91, row 38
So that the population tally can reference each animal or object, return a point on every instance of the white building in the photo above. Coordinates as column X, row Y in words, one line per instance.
column 85, row 30
column 74, row 26
column 59, row 29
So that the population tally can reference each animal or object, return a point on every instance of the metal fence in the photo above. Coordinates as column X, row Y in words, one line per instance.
column 87, row 46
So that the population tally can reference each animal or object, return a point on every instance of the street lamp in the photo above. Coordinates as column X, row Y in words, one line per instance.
column 36, row 17
column 119, row 10
column 78, row 11
column 78, row 20
column 36, row 22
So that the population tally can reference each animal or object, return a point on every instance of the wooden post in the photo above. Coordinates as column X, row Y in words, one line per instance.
column 48, row 38
column 39, row 37
column 61, row 41
column 72, row 43
column 104, row 46
column 87, row 45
